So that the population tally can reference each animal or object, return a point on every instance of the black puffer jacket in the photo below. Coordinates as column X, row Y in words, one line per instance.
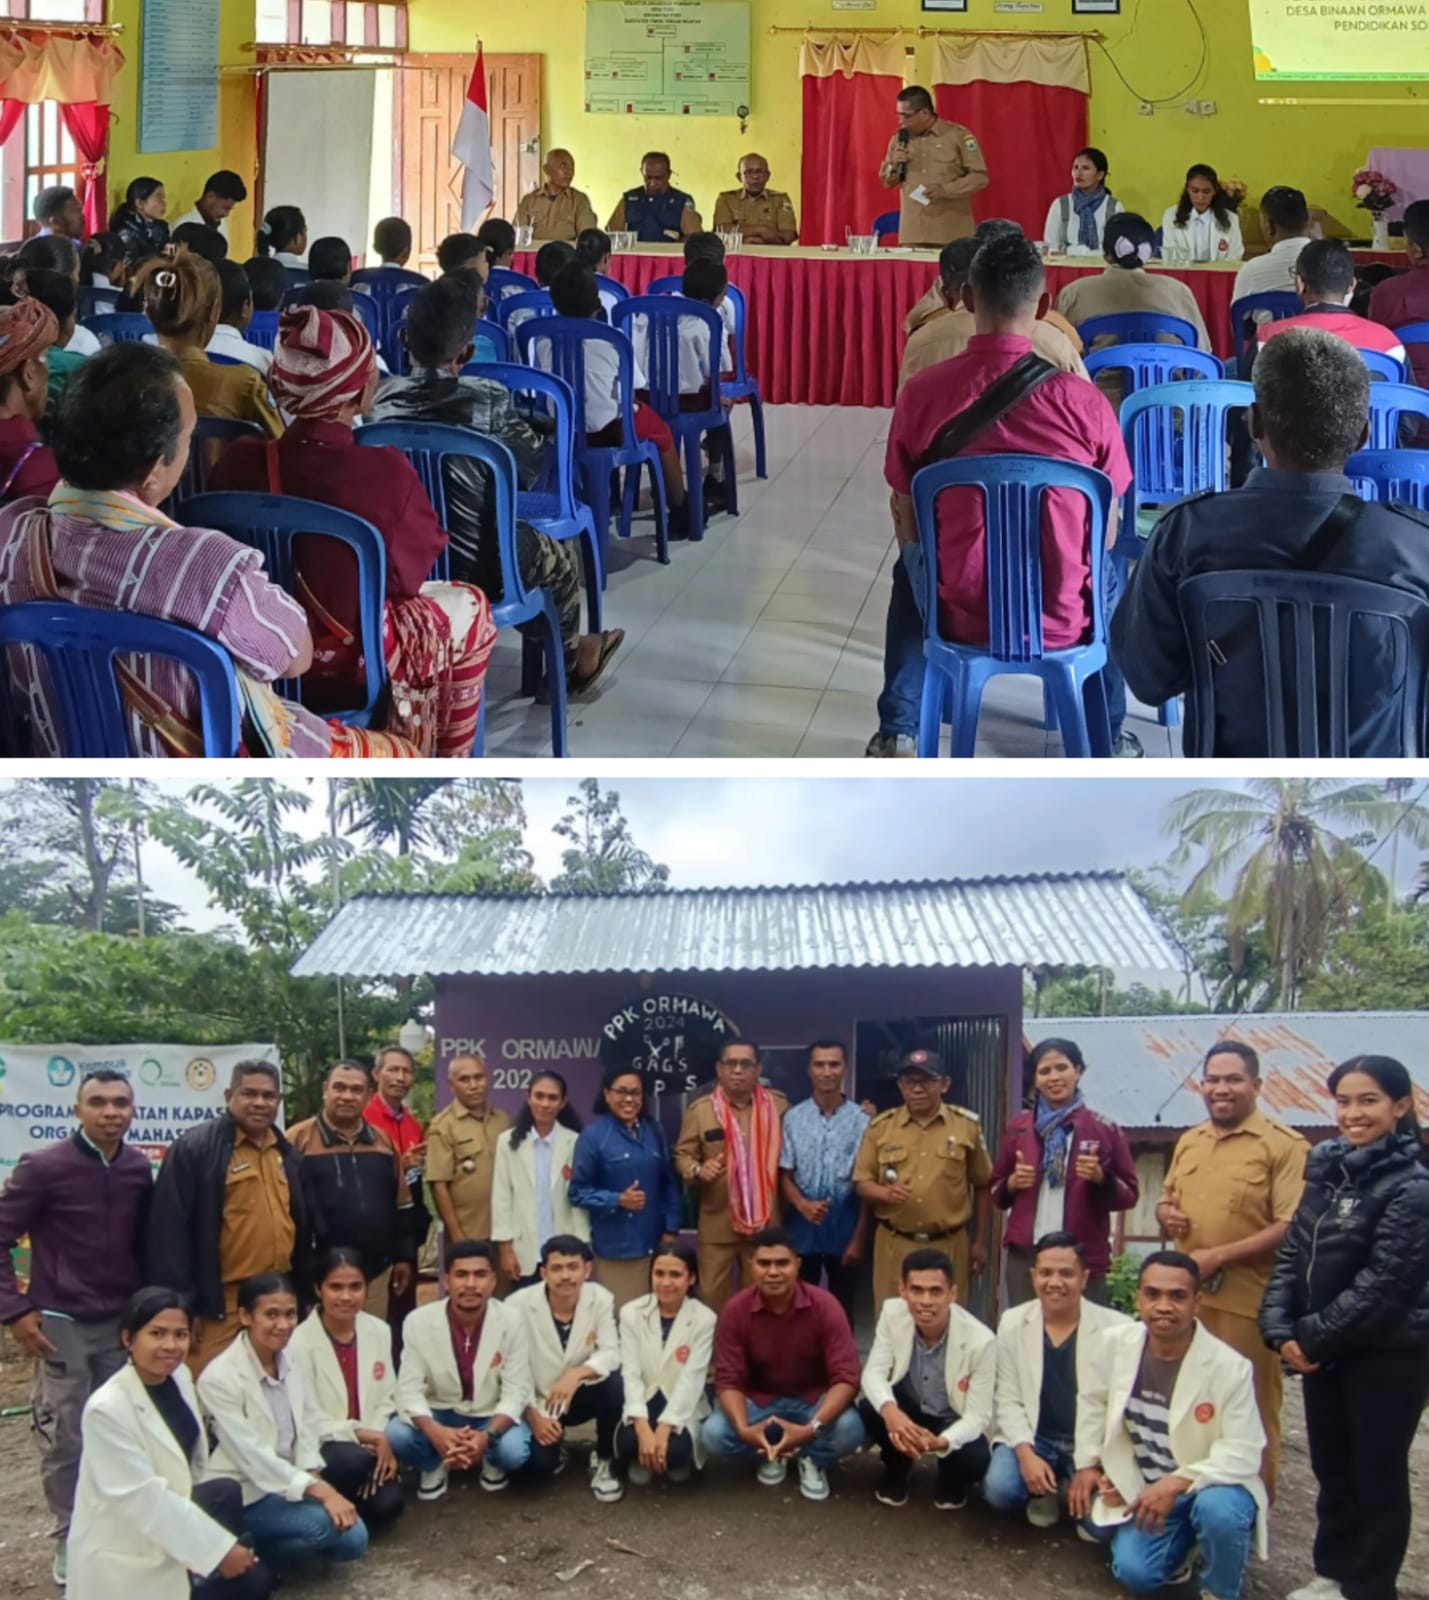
column 143, row 236
column 1353, row 1272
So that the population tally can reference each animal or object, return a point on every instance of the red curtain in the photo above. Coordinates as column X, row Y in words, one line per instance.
column 11, row 112
column 1029, row 133
column 848, row 122
column 88, row 125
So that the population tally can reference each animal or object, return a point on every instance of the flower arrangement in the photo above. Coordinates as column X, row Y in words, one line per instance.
column 1374, row 192
column 1235, row 191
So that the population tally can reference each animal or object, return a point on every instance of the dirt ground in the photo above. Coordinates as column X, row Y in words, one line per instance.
column 719, row 1538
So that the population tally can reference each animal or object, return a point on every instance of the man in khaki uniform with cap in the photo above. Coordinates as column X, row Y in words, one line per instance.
column 938, row 166
column 926, row 1172
column 763, row 215
column 461, row 1152
column 557, row 210
column 1229, row 1194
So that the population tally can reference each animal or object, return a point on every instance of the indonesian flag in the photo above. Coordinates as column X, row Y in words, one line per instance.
column 472, row 147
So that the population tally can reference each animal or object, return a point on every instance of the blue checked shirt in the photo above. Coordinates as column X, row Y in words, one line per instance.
column 819, row 1154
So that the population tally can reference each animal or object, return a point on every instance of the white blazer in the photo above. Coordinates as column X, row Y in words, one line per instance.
column 135, row 1529
column 1216, row 1432
column 970, row 1367
column 593, row 1342
column 1019, row 1363
column 230, row 1388
column 311, row 1351
column 429, row 1380
column 513, row 1196
column 1062, row 233
column 676, row 1367
column 1226, row 243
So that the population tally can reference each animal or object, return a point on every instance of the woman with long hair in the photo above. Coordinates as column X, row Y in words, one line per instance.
column 1202, row 225
column 1076, row 221
column 530, row 1189
column 139, row 219
column 283, row 234
column 1348, row 1307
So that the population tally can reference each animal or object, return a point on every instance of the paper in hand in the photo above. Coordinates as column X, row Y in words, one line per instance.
column 921, row 195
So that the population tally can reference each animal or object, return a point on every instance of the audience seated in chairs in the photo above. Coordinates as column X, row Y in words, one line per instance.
column 121, row 444
column 438, row 636
column 497, row 238
column 1065, row 418
column 441, row 333
column 57, row 292
column 1404, row 297
column 200, row 240
column 138, row 220
column 101, row 262
column 236, row 312
column 392, row 242
column 330, row 260
column 1285, row 221
column 1310, row 415
column 1126, row 286
column 550, row 258
column 463, row 250
column 27, row 467
column 1325, row 281
column 268, row 279
column 50, row 253
column 283, row 234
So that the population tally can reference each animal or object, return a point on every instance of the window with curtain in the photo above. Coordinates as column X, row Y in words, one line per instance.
column 367, row 24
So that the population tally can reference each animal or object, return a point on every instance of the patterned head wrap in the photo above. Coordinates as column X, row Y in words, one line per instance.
column 323, row 362
column 26, row 329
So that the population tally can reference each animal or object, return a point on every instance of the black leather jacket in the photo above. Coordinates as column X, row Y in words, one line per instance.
column 1353, row 1273
column 143, row 236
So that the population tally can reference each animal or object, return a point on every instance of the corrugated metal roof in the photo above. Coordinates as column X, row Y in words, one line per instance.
column 1065, row 919
column 1138, row 1067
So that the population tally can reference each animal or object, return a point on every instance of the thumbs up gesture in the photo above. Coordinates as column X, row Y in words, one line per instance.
column 633, row 1198
column 1023, row 1175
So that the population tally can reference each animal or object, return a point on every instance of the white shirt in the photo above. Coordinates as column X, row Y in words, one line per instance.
column 1051, row 1209
column 1063, row 237
column 228, row 341
column 1274, row 270
column 289, row 260
column 1202, row 237
column 602, row 380
column 84, row 343
column 543, row 1152
column 194, row 215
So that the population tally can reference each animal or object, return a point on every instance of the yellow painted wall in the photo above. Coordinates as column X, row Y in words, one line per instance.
column 1155, row 44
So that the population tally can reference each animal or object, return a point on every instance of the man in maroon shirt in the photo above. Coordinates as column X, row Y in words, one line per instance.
column 786, row 1373
column 1403, row 299
column 1065, row 418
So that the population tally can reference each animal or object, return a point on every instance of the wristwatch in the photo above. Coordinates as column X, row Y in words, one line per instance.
column 815, row 1426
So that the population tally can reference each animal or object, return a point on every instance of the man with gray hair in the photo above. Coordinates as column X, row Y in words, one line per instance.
column 1311, row 413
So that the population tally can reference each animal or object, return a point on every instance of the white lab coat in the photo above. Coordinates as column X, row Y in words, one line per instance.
column 429, row 1380
column 1209, row 242
column 1019, row 1363
column 135, row 1531
column 1062, row 233
column 1216, row 1433
column 513, row 1195
column 676, row 1367
column 593, row 1342
column 970, row 1368
column 312, row 1353
column 230, row 1389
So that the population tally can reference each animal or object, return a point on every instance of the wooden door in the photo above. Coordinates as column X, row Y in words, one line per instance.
column 429, row 105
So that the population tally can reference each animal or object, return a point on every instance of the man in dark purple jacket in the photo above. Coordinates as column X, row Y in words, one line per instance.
column 84, row 1205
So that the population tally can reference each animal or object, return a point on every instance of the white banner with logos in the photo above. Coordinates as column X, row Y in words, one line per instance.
column 175, row 1086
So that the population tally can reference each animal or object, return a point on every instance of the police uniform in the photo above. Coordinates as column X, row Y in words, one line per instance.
column 942, row 1161
column 737, row 211
column 563, row 216
column 655, row 218
column 461, row 1153
column 946, row 154
column 1232, row 1183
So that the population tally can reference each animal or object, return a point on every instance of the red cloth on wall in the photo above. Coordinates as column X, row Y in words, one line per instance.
column 88, row 125
column 1029, row 133
column 10, row 113
column 847, row 124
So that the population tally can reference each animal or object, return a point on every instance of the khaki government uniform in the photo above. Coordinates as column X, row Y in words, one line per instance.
column 735, row 209
column 943, row 1161
column 701, row 1139
column 556, row 216
column 461, row 1153
column 942, row 338
column 1231, row 1185
column 947, row 153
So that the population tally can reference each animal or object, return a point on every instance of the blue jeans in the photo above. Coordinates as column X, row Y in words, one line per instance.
column 414, row 1449
column 1004, row 1488
column 839, row 1439
column 288, row 1532
column 1220, row 1519
column 903, row 661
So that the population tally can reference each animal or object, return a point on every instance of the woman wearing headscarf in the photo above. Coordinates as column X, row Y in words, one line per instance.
column 27, row 331
column 437, row 637
column 1077, row 221
column 139, row 220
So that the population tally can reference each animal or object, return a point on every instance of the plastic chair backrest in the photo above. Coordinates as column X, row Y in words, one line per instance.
column 1280, row 303
column 120, row 327
column 502, row 281
column 663, row 315
column 210, row 432
column 1144, row 365
column 263, row 330
column 1012, row 488
column 558, row 344
column 533, row 303
column 1168, row 463
column 886, row 225
column 558, row 472
column 298, row 277
column 1390, row 369
column 1386, row 475
column 79, row 644
column 271, row 523
column 1137, row 327
column 735, row 296
column 363, row 306
column 220, row 360
column 674, row 283
column 611, row 286
column 1304, row 623
column 1388, row 402
column 392, row 346
column 384, row 284
column 94, row 300
column 1413, row 333
column 497, row 337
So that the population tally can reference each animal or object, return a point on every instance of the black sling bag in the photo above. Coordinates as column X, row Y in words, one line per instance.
column 1010, row 390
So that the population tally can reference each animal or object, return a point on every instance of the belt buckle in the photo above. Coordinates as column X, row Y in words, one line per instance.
column 922, row 1238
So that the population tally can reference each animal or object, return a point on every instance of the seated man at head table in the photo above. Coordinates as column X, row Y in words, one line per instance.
column 655, row 212
column 760, row 214
column 557, row 210
column 1311, row 413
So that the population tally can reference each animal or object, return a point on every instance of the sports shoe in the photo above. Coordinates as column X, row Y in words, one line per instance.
column 1128, row 747
column 679, row 1474
column 1184, row 1573
column 893, row 1491
column 563, row 1460
column 1318, row 1588
column 773, row 1473
column 813, row 1480
column 493, row 1479
column 892, row 747
column 1044, row 1511
column 604, row 1484
column 58, row 1567
column 637, row 1474
column 951, row 1500
column 433, row 1484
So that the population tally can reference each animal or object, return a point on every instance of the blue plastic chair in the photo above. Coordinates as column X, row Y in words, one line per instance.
column 1413, row 333
column 1388, row 402
column 93, row 300
column 393, row 349
column 532, row 303
column 363, row 306
column 263, row 330
column 429, row 446
column 1142, row 366
column 120, row 327
column 1168, row 462
column 502, row 281
column 1304, row 622
column 224, row 361
column 209, row 433
column 611, row 286
column 79, row 644
column 271, row 523
column 1012, row 490
column 1386, row 475
column 741, row 386
column 672, row 283
column 551, row 504
column 298, row 277
column 886, row 225
column 384, row 284
column 563, row 341
column 663, row 315
column 1387, row 368
column 1138, row 327
column 1280, row 303
column 498, row 338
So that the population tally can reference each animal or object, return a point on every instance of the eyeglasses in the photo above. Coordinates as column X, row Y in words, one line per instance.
column 626, row 1094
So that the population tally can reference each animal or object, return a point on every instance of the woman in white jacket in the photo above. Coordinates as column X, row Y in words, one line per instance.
column 666, row 1342
column 142, row 1520
column 1076, row 221
column 531, row 1184
column 1202, row 225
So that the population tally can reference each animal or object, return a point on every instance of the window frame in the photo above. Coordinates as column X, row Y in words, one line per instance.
column 34, row 11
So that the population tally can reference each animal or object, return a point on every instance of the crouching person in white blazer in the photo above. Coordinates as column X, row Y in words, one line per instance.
column 143, row 1519
column 1046, row 1355
column 928, row 1385
column 575, row 1362
column 666, row 1343
column 1169, row 1441
column 345, row 1357
column 464, row 1382
column 268, row 1432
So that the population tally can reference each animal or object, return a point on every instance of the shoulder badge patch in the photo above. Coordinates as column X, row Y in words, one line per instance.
column 1205, row 1411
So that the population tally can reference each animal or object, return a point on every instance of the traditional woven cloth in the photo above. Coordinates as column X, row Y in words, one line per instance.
column 753, row 1163
column 323, row 362
column 25, row 330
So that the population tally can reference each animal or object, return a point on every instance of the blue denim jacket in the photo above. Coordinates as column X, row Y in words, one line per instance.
column 607, row 1161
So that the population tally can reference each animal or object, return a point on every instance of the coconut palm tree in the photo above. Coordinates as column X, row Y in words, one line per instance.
column 1295, row 852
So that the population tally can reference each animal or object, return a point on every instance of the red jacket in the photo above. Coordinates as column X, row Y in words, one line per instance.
column 1089, row 1206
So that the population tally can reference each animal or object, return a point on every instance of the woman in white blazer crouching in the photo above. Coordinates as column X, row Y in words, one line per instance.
column 143, row 1521
column 531, row 1184
column 666, row 1342
column 345, row 1357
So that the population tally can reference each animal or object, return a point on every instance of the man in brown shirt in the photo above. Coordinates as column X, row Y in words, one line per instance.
column 937, row 166
column 461, row 1152
column 761, row 214
column 557, row 210
column 1229, row 1194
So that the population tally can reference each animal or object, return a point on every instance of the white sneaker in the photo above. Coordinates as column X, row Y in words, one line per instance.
column 637, row 1474
column 493, row 1479
column 773, row 1473
column 433, row 1484
column 1318, row 1588
column 813, row 1480
column 59, row 1570
column 604, row 1484
column 1044, row 1511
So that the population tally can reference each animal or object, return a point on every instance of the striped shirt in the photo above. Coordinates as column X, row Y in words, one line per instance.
column 1148, row 1415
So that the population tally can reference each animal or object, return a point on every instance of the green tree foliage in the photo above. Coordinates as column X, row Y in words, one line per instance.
column 1378, row 963
column 603, row 858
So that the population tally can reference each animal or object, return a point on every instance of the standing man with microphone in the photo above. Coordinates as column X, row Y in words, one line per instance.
column 937, row 165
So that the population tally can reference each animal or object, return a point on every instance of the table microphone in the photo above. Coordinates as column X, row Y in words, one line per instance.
column 903, row 146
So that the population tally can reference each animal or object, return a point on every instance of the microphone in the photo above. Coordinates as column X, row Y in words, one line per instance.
column 903, row 147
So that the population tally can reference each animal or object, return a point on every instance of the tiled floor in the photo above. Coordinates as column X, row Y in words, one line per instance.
column 765, row 639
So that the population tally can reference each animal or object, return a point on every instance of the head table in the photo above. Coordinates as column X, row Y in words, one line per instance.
column 826, row 326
